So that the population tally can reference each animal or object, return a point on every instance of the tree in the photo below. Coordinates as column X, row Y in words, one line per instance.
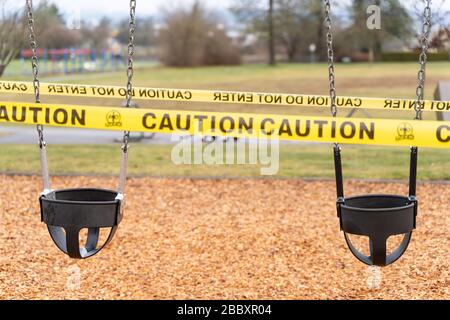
column 145, row 39
column 193, row 37
column 295, row 26
column 46, row 15
column 291, row 24
column 318, row 17
column 97, row 36
column 272, row 59
column 12, row 36
column 51, row 30
column 396, row 23
column 441, row 40
column 257, row 18
column 440, row 22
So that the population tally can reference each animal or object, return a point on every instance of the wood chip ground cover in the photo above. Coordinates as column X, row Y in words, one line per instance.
column 220, row 239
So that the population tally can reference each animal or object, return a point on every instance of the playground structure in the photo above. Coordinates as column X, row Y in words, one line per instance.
column 443, row 93
column 68, row 211
column 74, row 60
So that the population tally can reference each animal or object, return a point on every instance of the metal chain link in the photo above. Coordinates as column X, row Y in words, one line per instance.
column 34, row 65
column 423, row 59
column 330, row 52
column 130, row 69
column 36, row 87
column 129, row 96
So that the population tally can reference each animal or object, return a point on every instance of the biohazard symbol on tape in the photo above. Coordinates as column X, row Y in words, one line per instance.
column 113, row 119
column 405, row 131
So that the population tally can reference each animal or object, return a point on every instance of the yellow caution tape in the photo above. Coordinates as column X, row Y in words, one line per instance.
column 211, row 96
column 284, row 127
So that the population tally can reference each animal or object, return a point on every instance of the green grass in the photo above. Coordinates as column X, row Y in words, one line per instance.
column 16, row 67
column 19, row 69
column 396, row 80
column 305, row 161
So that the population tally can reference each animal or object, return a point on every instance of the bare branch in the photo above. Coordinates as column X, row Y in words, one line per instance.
column 12, row 36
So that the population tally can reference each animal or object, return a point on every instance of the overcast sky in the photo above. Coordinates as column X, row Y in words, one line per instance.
column 92, row 10
column 117, row 9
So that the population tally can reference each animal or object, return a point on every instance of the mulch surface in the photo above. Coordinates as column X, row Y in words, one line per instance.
column 219, row 239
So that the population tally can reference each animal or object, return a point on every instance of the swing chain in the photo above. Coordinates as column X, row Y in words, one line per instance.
column 423, row 59
column 34, row 65
column 129, row 96
column 36, row 87
column 330, row 52
column 130, row 69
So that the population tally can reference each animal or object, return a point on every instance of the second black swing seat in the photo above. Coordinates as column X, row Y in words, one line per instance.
column 377, row 217
column 67, row 212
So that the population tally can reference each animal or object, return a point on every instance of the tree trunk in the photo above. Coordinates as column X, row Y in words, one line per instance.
column 292, row 51
column 378, row 45
column 272, row 60
column 2, row 69
column 371, row 55
column 291, row 56
column 378, row 50
column 321, row 53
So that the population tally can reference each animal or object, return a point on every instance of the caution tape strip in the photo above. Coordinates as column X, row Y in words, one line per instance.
column 284, row 127
column 211, row 96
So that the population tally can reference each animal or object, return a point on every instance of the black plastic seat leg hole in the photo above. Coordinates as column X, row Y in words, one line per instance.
column 393, row 242
column 361, row 243
column 96, row 239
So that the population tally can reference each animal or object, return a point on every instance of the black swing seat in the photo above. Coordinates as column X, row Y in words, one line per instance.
column 378, row 217
column 67, row 212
